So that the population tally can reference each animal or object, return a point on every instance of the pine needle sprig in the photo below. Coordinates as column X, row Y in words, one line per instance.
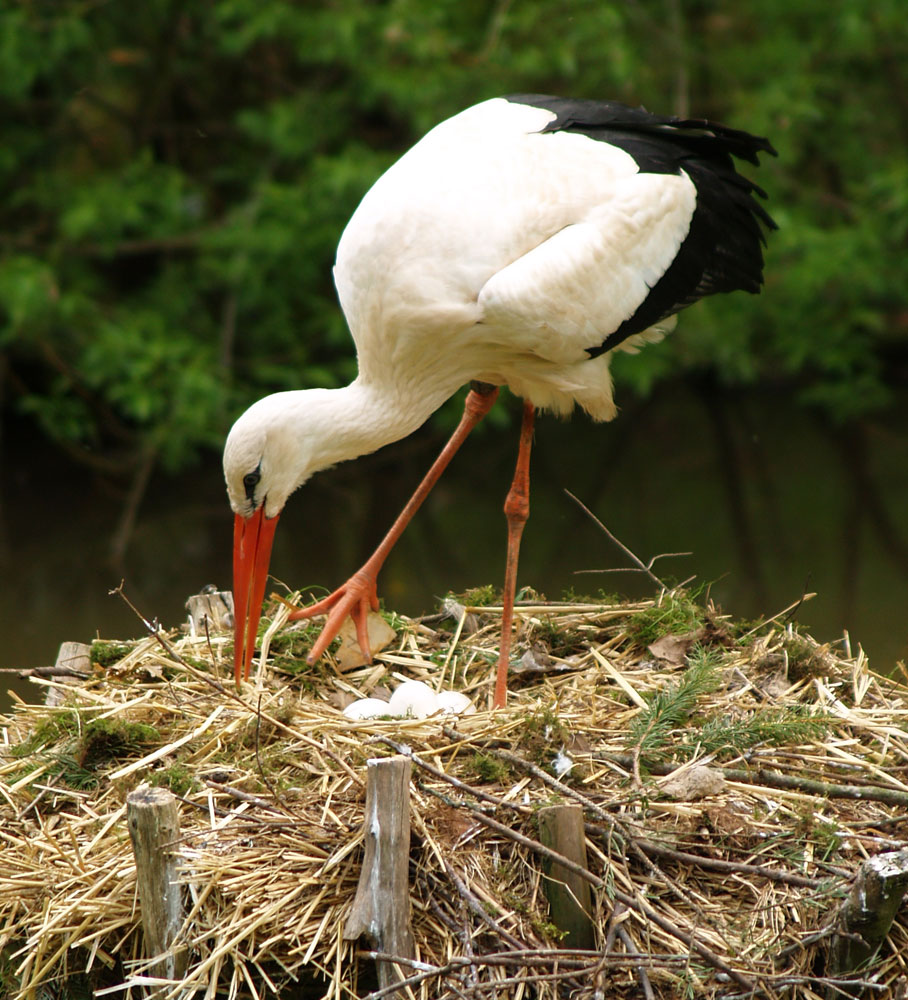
column 786, row 726
column 670, row 709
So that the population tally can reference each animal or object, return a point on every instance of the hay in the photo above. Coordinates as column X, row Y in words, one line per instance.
column 701, row 889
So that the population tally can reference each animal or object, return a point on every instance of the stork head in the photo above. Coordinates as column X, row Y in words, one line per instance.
column 266, row 457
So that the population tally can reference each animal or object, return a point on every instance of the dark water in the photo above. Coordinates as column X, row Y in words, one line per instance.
column 768, row 501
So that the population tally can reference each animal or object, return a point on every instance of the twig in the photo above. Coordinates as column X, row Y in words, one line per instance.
column 641, row 969
column 238, row 793
column 214, row 659
column 476, row 907
column 573, row 962
column 45, row 672
column 593, row 807
column 772, row 779
column 644, row 567
column 543, row 776
column 261, row 766
column 200, row 675
column 716, row 865
column 155, row 630
column 462, row 786
column 638, row 904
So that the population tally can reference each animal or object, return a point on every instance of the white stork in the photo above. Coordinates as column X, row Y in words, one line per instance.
column 519, row 243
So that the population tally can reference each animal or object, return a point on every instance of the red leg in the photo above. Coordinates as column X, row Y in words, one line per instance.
column 358, row 595
column 517, row 510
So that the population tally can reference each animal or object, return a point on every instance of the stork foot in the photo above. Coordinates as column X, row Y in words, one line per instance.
column 356, row 598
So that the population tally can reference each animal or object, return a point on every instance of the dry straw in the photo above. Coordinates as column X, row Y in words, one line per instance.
column 714, row 889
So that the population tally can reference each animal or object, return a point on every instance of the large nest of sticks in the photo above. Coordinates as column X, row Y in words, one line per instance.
column 733, row 781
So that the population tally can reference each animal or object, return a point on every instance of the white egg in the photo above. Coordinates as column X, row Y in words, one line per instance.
column 414, row 700
column 367, row 708
column 455, row 703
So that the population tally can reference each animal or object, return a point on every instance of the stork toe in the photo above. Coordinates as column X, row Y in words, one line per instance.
column 356, row 598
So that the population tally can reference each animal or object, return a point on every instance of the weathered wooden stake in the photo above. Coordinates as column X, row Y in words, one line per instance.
column 74, row 656
column 211, row 611
column 569, row 896
column 866, row 915
column 154, row 827
column 381, row 907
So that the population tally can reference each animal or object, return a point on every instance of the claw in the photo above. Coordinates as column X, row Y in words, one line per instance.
column 354, row 599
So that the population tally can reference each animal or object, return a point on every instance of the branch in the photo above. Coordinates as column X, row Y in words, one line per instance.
column 154, row 629
column 475, row 906
column 771, row 779
column 631, row 902
column 45, row 672
column 643, row 567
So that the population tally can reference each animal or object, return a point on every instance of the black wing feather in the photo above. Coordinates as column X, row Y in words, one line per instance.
column 723, row 249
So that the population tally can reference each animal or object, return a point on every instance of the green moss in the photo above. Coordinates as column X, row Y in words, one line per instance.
column 178, row 778
column 676, row 614
column 488, row 769
column 77, row 751
column 805, row 660
column 268, row 736
column 106, row 740
column 559, row 641
column 542, row 735
column 478, row 597
column 289, row 649
column 514, row 902
column 393, row 619
column 293, row 643
column 547, row 930
column 603, row 597
column 105, row 654
column 50, row 730
column 746, row 631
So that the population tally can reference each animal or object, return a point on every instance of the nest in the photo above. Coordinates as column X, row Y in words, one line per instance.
column 732, row 778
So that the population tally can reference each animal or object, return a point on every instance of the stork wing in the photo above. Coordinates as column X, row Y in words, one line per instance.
column 582, row 283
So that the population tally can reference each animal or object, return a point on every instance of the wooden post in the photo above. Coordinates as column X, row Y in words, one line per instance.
column 866, row 915
column 211, row 610
column 154, row 827
column 569, row 896
column 381, row 907
column 75, row 656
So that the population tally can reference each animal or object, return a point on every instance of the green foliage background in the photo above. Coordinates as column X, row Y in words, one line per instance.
column 177, row 175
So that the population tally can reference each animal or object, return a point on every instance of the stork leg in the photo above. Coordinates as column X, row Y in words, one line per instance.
column 517, row 510
column 358, row 595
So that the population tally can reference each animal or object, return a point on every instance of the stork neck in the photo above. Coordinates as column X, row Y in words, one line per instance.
column 363, row 417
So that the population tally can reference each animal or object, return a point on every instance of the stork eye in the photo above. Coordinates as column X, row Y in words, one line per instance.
column 250, row 481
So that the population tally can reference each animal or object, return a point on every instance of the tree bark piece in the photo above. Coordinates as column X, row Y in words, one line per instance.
column 561, row 828
column 381, row 907
column 154, row 828
column 866, row 915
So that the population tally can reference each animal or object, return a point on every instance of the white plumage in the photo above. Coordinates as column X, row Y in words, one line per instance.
column 518, row 244
column 505, row 266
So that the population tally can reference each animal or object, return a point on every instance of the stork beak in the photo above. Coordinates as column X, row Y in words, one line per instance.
column 252, row 540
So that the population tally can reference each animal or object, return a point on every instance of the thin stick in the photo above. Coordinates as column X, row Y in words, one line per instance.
column 644, row 567
column 475, row 905
column 200, row 675
column 771, row 779
column 631, row 902
column 258, row 759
